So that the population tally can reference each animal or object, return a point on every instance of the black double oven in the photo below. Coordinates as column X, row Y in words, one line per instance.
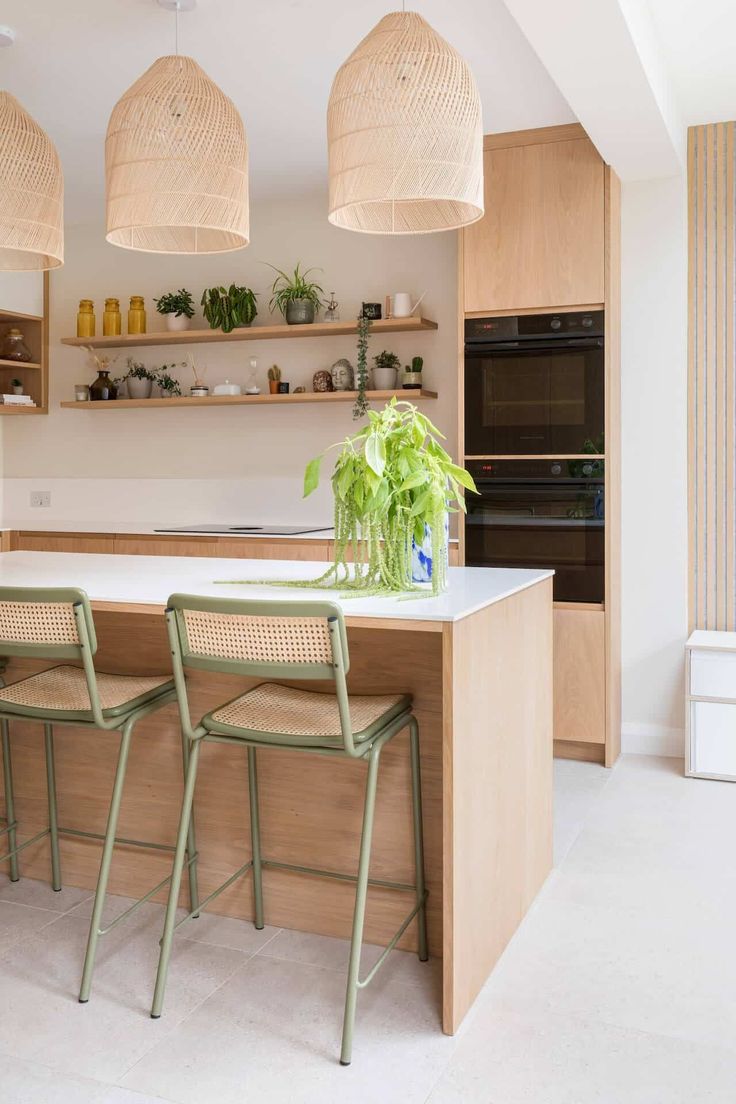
column 534, row 420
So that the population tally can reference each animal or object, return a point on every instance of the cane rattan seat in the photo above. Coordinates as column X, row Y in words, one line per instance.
column 64, row 690
column 287, row 715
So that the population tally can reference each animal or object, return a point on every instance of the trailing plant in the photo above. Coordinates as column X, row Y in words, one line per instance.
column 361, row 371
column 162, row 376
column 390, row 480
column 226, row 308
column 136, row 370
column 176, row 302
column 285, row 289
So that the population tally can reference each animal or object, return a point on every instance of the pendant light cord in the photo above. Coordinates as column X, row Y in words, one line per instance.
column 176, row 29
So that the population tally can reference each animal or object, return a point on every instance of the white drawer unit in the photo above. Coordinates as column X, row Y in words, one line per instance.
column 711, row 705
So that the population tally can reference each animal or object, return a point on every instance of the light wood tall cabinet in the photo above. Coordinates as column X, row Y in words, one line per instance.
column 542, row 239
column 549, row 243
column 24, row 306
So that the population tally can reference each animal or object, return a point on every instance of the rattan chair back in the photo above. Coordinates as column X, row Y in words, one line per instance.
column 47, row 623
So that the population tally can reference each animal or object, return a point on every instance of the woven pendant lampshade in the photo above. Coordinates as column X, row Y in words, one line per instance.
column 404, row 133
column 176, row 164
column 31, row 193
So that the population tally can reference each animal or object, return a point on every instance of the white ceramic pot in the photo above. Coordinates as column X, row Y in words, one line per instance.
column 177, row 322
column 384, row 379
column 138, row 388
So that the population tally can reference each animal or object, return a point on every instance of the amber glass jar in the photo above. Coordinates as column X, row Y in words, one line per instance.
column 103, row 387
column 137, row 315
column 112, row 322
column 86, row 318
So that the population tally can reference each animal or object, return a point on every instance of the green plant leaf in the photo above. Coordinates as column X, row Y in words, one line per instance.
column 311, row 475
column 416, row 479
column 375, row 453
column 463, row 477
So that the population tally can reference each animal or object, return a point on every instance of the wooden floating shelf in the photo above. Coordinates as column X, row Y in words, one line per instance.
column 18, row 364
column 248, row 400
column 251, row 333
column 21, row 409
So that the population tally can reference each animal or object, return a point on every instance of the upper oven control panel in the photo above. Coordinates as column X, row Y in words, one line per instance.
column 530, row 326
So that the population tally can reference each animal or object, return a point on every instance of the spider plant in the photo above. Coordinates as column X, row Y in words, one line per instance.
column 288, row 289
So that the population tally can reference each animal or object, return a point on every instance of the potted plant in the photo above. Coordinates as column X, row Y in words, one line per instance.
column 393, row 485
column 274, row 378
column 178, row 308
column 227, row 308
column 168, row 386
column 17, row 386
column 296, row 296
column 138, row 380
column 385, row 368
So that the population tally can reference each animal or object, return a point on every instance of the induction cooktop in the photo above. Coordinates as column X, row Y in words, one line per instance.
column 244, row 530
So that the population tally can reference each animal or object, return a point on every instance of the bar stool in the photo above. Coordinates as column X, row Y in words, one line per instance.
column 58, row 624
column 295, row 641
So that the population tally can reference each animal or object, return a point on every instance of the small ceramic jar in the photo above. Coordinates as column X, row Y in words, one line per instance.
column 322, row 381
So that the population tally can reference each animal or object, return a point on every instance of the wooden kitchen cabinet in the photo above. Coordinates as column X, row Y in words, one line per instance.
column 540, row 244
column 580, row 676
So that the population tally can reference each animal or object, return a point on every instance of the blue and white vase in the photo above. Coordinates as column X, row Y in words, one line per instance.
column 421, row 554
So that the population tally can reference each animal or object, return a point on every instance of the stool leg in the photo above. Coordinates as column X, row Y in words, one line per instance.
column 9, row 800
column 416, row 794
column 48, row 734
column 192, row 878
column 175, row 884
column 255, row 837
column 361, row 892
column 107, row 850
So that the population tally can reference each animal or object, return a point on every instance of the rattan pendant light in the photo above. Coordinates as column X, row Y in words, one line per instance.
column 404, row 133
column 176, row 164
column 31, row 193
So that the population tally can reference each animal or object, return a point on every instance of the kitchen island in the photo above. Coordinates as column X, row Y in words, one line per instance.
column 478, row 661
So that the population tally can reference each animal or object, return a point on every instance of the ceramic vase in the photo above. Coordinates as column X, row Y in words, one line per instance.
column 299, row 312
column 421, row 554
column 177, row 322
column 138, row 388
column 384, row 379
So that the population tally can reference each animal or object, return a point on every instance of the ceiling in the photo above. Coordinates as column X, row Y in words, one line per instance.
column 276, row 60
column 698, row 42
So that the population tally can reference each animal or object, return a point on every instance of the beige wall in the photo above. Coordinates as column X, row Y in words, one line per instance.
column 166, row 463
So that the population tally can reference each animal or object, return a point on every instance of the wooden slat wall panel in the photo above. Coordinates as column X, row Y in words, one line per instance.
column 712, row 387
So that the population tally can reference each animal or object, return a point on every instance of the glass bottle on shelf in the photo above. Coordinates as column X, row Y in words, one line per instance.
column 252, row 387
column 112, row 322
column 332, row 309
column 137, row 315
column 14, row 348
column 86, row 318
column 103, row 387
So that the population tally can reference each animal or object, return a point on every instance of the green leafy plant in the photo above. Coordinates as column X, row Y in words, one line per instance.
column 390, row 480
column 226, row 308
column 162, row 376
column 361, row 368
column 16, row 383
column 387, row 360
column 286, row 288
column 176, row 302
column 136, row 370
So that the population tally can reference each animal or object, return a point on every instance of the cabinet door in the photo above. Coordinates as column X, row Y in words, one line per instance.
column 540, row 243
column 63, row 542
column 579, row 676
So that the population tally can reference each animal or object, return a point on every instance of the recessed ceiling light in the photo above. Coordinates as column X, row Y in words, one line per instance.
column 178, row 5
column 7, row 35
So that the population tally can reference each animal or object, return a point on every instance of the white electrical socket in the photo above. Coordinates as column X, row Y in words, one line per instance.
column 40, row 498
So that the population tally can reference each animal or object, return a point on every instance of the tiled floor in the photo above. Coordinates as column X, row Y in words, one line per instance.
column 620, row 987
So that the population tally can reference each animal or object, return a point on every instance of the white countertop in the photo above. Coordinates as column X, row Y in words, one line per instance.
column 149, row 580
column 127, row 529
column 718, row 640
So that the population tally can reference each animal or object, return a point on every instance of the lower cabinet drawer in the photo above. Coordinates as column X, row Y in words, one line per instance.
column 712, row 745
column 579, row 676
column 713, row 674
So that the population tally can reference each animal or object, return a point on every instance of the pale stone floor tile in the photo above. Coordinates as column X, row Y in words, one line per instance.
column 30, row 891
column 513, row 1058
column 18, row 922
column 619, row 988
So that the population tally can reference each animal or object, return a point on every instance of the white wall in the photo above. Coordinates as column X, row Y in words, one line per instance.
column 654, row 452
column 210, row 465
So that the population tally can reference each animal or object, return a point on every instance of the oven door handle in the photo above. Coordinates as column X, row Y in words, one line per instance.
column 483, row 349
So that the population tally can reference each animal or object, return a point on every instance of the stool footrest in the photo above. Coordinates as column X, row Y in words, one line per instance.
column 215, row 893
column 118, row 839
column 142, row 900
column 390, row 946
column 9, row 826
column 338, row 877
column 22, row 846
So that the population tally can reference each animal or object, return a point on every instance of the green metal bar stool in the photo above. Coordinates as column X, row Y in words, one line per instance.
column 58, row 624
column 288, row 640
